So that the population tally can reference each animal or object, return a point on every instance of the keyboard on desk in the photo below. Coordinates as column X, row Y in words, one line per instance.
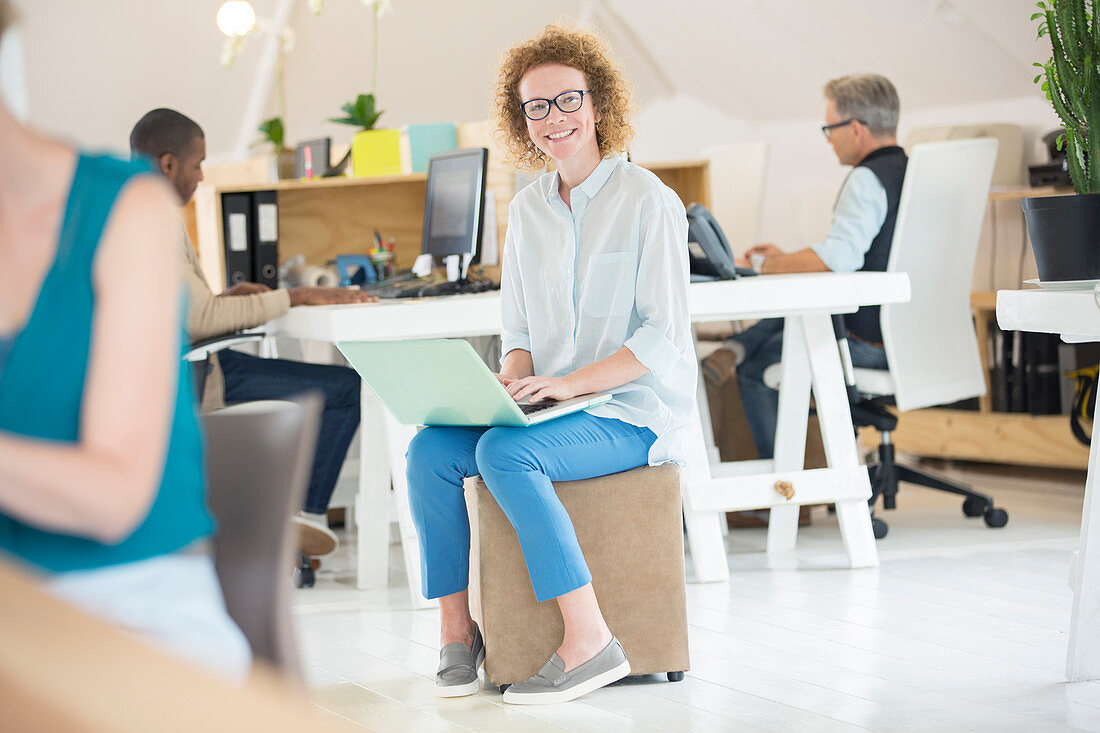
column 400, row 289
column 425, row 288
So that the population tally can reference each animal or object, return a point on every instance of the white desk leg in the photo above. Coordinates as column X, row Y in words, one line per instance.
column 399, row 438
column 1083, row 660
column 372, row 504
column 838, row 436
column 790, row 432
column 704, row 529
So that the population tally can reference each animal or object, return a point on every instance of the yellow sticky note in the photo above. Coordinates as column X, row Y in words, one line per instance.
column 376, row 153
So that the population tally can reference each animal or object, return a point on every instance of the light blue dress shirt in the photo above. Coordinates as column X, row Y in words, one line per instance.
column 857, row 218
column 577, row 285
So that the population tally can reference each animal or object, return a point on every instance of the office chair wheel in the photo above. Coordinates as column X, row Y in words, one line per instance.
column 879, row 527
column 304, row 575
column 996, row 517
column 675, row 676
column 975, row 506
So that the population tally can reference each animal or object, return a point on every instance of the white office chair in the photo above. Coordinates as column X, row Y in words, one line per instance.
column 931, row 347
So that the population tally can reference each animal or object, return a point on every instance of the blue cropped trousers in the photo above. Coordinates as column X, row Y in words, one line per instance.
column 518, row 465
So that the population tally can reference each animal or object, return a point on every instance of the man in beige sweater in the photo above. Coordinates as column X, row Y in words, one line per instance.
column 176, row 146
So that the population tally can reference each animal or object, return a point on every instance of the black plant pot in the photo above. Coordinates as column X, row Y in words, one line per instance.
column 1065, row 236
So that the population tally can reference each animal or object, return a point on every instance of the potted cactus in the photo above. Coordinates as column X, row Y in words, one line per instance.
column 1065, row 230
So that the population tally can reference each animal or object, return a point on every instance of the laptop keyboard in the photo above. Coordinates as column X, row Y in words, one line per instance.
column 529, row 408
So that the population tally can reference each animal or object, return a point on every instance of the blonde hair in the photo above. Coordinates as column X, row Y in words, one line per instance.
column 560, row 44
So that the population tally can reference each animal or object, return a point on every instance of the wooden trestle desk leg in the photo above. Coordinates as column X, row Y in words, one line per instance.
column 704, row 528
column 790, row 434
column 399, row 436
column 372, row 503
column 1083, row 659
column 838, row 436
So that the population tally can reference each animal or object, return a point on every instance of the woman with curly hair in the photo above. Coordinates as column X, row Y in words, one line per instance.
column 594, row 299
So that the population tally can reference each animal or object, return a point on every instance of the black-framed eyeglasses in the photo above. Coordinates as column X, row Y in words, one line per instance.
column 827, row 130
column 568, row 101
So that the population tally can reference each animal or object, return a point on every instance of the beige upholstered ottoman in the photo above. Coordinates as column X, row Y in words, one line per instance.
column 630, row 529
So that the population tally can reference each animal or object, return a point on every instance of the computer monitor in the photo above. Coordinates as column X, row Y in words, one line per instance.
column 455, row 204
column 319, row 153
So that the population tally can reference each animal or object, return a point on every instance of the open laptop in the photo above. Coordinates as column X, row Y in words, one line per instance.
column 445, row 382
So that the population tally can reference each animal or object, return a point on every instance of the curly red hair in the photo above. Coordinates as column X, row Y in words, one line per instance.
column 561, row 44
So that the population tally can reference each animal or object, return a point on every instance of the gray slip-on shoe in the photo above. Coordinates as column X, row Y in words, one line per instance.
column 554, row 684
column 457, row 674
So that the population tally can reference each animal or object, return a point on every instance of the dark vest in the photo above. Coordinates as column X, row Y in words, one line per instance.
column 888, row 165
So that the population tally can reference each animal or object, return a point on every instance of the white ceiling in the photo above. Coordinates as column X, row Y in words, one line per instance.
column 767, row 59
column 756, row 61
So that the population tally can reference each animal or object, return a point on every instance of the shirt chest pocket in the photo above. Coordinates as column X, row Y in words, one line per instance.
column 610, row 284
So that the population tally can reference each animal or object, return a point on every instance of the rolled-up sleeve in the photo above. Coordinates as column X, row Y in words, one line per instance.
column 514, row 331
column 857, row 218
column 661, row 296
column 209, row 315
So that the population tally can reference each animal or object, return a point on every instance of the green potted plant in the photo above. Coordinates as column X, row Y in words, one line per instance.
column 373, row 152
column 1064, row 229
column 273, row 132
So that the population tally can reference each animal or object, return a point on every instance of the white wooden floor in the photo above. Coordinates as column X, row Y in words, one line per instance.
column 961, row 628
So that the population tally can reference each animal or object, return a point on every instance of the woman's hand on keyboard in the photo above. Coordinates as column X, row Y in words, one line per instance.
column 503, row 379
column 542, row 388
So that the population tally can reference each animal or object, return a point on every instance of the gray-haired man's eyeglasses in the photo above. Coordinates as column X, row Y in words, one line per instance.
column 827, row 130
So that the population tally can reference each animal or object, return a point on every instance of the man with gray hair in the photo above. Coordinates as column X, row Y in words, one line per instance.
column 861, row 117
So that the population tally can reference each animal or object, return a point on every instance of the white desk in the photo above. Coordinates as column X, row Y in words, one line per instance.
column 1076, row 316
column 711, row 488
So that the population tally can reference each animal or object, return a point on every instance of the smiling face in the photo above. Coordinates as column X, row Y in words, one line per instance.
column 569, row 138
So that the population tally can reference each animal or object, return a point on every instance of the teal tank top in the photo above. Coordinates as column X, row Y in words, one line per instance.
column 42, row 390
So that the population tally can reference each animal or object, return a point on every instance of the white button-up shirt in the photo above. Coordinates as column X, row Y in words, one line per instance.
column 577, row 285
column 857, row 218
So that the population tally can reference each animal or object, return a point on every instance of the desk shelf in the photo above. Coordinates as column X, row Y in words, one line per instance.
column 323, row 217
column 994, row 437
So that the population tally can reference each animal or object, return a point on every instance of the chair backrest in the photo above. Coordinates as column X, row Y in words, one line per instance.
column 198, row 355
column 259, row 456
column 930, row 341
column 1008, row 170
